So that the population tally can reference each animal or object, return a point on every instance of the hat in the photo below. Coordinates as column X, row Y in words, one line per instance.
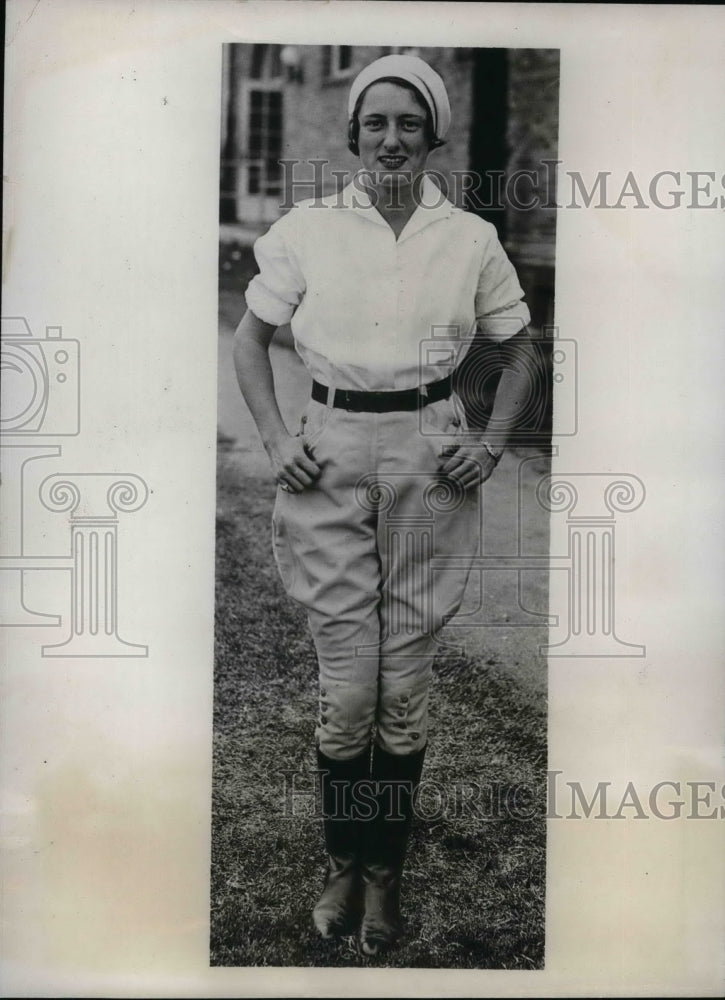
column 415, row 71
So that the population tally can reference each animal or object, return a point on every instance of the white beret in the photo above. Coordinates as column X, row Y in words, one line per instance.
column 415, row 71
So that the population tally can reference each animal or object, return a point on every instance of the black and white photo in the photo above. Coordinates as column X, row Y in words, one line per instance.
column 403, row 320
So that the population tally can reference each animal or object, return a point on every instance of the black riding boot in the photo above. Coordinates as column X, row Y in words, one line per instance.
column 384, row 846
column 338, row 909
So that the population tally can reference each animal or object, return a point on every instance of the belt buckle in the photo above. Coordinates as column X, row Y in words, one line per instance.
column 345, row 398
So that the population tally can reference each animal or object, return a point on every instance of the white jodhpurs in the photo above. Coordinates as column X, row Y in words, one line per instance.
column 378, row 551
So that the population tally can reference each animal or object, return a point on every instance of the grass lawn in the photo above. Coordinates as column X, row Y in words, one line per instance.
column 475, row 876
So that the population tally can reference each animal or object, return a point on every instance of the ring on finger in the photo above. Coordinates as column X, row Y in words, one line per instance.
column 286, row 487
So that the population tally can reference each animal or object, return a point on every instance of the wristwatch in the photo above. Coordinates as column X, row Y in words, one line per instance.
column 494, row 451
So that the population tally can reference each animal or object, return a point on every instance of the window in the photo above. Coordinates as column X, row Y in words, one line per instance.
column 265, row 142
column 266, row 62
column 337, row 62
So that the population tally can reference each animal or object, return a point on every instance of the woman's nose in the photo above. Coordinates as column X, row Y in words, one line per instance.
column 391, row 139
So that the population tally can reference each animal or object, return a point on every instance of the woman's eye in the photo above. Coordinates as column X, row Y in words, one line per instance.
column 406, row 126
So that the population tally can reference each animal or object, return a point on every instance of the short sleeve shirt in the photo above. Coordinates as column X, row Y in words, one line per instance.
column 368, row 311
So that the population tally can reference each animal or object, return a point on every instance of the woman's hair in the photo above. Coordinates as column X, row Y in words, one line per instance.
column 353, row 129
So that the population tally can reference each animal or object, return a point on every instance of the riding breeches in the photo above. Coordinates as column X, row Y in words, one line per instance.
column 378, row 551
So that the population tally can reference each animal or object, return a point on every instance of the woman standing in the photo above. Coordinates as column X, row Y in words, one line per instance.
column 366, row 276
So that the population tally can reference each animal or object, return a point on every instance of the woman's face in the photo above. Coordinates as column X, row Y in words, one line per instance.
column 393, row 138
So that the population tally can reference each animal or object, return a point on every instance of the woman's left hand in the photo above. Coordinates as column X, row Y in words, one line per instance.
column 469, row 464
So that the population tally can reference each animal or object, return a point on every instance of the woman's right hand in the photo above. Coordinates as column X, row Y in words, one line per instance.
column 293, row 466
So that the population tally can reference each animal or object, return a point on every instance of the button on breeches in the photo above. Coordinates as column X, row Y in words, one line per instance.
column 378, row 551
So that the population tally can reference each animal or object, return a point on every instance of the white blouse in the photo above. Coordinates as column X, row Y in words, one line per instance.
column 368, row 311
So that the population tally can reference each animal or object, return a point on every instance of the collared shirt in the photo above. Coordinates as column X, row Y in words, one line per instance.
column 368, row 311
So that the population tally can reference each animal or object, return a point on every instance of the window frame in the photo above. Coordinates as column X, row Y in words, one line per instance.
column 334, row 70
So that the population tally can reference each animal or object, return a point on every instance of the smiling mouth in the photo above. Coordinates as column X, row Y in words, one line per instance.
column 392, row 162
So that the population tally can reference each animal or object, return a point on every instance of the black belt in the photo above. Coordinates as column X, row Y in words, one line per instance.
column 384, row 402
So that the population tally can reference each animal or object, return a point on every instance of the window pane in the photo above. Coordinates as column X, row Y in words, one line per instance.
column 258, row 53
column 264, row 142
column 275, row 63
